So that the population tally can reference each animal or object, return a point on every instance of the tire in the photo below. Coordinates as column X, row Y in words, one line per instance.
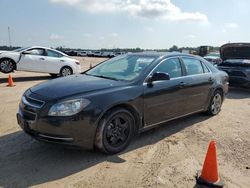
column 66, row 71
column 53, row 75
column 7, row 65
column 115, row 131
column 215, row 103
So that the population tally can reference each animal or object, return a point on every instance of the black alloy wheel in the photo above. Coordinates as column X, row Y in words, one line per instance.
column 115, row 131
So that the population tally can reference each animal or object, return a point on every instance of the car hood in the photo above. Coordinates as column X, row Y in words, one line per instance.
column 1, row 51
column 73, row 85
column 235, row 51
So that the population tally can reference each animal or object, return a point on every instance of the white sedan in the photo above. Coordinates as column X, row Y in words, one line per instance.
column 39, row 59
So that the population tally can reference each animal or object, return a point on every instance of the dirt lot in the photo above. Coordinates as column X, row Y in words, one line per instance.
column 168, row 156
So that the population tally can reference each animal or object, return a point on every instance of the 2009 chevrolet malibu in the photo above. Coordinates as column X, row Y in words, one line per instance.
column 106, row 106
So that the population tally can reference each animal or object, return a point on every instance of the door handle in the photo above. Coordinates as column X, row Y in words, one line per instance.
column 182, row 84
column 62, row 60
column 210, row 79
column 42, row 59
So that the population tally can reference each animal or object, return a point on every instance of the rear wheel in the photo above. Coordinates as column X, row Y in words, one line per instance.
column 66, row 71
column 7, row 65
column 215, row 104
column 115, row 131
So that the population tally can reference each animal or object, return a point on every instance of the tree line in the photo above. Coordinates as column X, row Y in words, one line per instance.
column 171, row 49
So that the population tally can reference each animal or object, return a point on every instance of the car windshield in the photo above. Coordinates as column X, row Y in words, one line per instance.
column 125, row 68
column 20, row 49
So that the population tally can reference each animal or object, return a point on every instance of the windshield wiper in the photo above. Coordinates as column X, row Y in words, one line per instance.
column 102, row 76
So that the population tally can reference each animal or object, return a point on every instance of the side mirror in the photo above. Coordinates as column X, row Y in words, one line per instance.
column 157, row 76
column 26, row 52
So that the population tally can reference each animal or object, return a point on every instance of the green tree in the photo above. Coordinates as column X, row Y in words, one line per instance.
column 173, row 48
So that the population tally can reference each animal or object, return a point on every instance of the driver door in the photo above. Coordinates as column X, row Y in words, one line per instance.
column 164, row 100
column 34, row 60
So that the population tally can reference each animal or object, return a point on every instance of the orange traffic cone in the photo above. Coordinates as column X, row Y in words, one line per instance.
column 10, row 81
column 209, row 175
column 90, row 66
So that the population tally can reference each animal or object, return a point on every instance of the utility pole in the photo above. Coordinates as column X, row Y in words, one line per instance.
column 9, row 36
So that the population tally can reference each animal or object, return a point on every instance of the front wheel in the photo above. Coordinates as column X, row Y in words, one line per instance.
column 115, row 131
column 7, row 65
column 66, row 71
column 215, row 104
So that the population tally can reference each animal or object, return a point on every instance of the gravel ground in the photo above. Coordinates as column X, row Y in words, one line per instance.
column 167, row 156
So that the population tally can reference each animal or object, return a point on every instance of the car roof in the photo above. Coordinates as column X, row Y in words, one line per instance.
column 163, row 54
column 47, row 49
column 41, row 47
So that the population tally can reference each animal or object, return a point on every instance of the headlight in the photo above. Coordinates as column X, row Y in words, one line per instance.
column 68, row 108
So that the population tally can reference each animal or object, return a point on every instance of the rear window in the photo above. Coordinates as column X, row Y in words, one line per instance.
column 52, row 53
column 193, row 66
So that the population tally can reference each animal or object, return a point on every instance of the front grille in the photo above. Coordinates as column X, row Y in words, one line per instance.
column 33, row 102
column 30, row 106
column 29, row 115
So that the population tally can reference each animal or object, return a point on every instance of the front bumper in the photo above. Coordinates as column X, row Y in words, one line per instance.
column 237, row 77
column 78, row 69
column 239, row 81
column 78, row 130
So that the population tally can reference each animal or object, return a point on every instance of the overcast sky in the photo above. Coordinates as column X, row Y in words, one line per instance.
column 124, row 23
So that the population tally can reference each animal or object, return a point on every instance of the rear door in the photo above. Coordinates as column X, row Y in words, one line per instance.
column 54, row 61
column 201, row 81
column 166, row 99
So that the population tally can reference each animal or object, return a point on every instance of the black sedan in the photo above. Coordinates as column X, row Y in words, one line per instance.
column 106, row 106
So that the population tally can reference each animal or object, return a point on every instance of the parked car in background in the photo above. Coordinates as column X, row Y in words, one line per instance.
column 97, row 54
column 108, row 54
column 107, row 105
column 236, row 62
column 119, row 53
column 213, row 57
column 39, row 59
column 90, row 54
column 82, row 53
column 71, row 52
column 185, row 51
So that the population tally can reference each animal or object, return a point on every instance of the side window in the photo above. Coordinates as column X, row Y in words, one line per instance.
column 51, row 53
column 36, row 51
column 193, row 66
column 206, row 70
column 170, row 66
